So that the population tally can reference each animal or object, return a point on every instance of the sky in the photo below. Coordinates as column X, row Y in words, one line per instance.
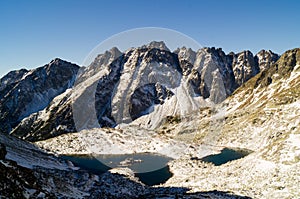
column 34, row 32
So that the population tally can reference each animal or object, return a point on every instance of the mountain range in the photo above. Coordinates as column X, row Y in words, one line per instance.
column 137, row 73
column 182, row 104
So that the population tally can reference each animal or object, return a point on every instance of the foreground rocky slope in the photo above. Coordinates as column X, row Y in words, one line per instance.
column 28, row 172
column 122, row 87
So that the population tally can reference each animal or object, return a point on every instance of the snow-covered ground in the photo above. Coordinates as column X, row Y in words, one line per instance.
column 120, row 141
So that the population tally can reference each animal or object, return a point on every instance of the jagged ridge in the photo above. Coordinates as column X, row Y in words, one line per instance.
column 206, row 74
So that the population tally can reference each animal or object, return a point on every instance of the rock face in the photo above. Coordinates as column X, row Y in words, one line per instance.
column 282, row 68
column 143, row 66
column 145, row 97
column 149, row 82
column 244, row 67
column 98, row 64
column 22, row 96
column 104, row 94
column 16, row 180
column 211, row 61
column 11, row 79
column 3, row 151
column 266, row 58
column 54, row 120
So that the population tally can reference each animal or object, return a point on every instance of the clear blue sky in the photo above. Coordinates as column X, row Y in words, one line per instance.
column 32, row 33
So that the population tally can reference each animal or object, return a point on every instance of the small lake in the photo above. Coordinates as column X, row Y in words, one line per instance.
column 226, row 155
column 151, row 169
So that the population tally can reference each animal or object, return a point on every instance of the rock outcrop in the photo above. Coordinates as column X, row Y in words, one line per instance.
column 244, row 67
column 266, row 58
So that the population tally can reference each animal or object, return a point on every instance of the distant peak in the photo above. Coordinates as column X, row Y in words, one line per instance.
column 157, row 44
column 184, row 49
column 211, row 49
column 113, row 53
column 57, row 61
column 186, row 54
column 115, row 50
column 290, row 57
column 263, row 51
column 247, row 53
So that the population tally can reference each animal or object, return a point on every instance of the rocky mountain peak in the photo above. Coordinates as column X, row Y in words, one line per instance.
column 282, row 68
column 100, row 62
column 213, row 50
column 244, row 67
column 157, row 44
column 33, row 91
column 55, row 67
column 266, row 58
column 57, row 61
column 186, row 54
column 289, row 60
column 106, row 57
column 11, row 78
column 115, row 51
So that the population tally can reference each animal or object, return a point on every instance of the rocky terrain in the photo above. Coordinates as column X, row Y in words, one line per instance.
column 262, row 115
column 28, row 172
column 181, row 104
